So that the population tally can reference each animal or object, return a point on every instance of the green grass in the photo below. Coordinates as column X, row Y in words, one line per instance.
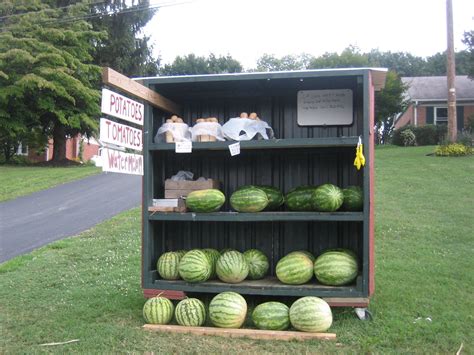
column 88, row 287
column 19, row 181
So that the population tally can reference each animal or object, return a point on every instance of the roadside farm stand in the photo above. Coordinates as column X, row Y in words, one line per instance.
column 303, row 152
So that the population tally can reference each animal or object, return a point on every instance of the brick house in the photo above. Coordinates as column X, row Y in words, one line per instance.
column 90, row 147
column 428, row 97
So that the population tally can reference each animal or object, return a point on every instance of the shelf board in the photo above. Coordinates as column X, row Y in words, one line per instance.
column 268, row 286
column 257, row 217
column 267, row 144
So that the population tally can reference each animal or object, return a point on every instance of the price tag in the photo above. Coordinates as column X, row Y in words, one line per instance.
column 183, row 147
column 234, row 149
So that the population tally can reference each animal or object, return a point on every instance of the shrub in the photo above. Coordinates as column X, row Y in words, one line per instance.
column 408, row 137
column 453, row 150
column 397, row 135
column 465, row 138
column 425, row 135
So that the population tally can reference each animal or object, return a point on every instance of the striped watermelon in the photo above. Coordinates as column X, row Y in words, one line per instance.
column 158, row 310
column 228, row 310
column 209, row 200
column 167, row 265
column 305, row 252
column 225, row 250
column 232, row 267
column 212, row 255
column 353, row 198
column 294, row 269
column 249, row 199
column 327, row 198
column 190, row 312
column 271, row 316
column 310, row 314
column 258, row 264
column 336, row 267
column 274, row 195
column 195, row 266
column 300, row 199
column 181, row 252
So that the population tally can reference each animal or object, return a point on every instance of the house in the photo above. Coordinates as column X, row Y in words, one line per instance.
column 90, row 147
column 428, row 96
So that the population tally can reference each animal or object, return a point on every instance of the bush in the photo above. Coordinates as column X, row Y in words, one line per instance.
column 453, row 150
column 425, row 135
column 408, row 137
column 397, row 138
column 465, row 138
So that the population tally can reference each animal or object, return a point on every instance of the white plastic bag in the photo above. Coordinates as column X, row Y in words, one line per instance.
column 207, row 128
column 180, row 132
column 182, row 175
column 244, row 129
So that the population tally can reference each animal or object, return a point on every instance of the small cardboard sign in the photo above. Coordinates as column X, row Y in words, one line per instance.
column 183, row 147
column 234, row 149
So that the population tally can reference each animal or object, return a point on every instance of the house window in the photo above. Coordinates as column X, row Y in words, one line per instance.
column 441, row 115
column 22, row 149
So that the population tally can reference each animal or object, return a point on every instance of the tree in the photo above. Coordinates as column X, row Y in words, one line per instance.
column 47, row 83
column 269, row 62
column 192, row 65
column 468, row 40
column 349, row 58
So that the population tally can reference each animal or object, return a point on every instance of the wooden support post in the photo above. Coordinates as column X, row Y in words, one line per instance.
column 129, row 86
column 451, row 75
column 241, row 333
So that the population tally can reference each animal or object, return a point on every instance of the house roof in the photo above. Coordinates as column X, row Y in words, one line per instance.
column 435, row 88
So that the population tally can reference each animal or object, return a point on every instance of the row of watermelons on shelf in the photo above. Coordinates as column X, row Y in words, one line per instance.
column 229, row 310
column 334, row 267
column 257, row 198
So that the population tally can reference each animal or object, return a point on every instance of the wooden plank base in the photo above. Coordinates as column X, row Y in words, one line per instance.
column 240, row 333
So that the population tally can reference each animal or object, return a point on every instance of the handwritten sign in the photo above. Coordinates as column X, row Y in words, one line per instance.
column 120, row 162
column 121, row 135
column 183, row 147
column 234, row 149
column 324, row 107
column 122, row 107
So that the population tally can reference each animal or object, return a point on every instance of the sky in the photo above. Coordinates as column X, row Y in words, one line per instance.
column 247, row 29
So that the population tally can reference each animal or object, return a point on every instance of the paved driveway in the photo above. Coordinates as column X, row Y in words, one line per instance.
column 29, row 222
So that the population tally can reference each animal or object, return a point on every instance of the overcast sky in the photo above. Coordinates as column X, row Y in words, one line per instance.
column 246, row 29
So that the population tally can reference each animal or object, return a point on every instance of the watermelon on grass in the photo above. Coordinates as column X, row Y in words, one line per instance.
column 327, row 198
column 232, row 267
column 258, row 264
column 311, row 314
column 228, row 310
column 194, row 266
column 208, row 200
column 336, row 267
column 300, row 198
column 353, row 198
column 167, row 265
column 190, row 312
column 271, row 316
column 158, row 310
column 294, row 269
column 249, row 199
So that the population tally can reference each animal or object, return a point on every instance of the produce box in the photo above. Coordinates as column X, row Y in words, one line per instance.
column 175, row 189
column 168, row 205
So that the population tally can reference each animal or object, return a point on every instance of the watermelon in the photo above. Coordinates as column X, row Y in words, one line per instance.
column 209, row 200
column 167, row 265
column 181, row 252
column 194, row 266
column 310, row 314
column 271, row 316
column 300, row 199
column 228, row 310
column 305, row 252
column 232, row 267
column 190, row 312
column 336, row 267
column 274, row 195
column 353, row 198
column 294, row 269
column 158, row 310
column 327, row 198
column 212, row 255
column 249, row 199
column 225, row 250
column 258, row 264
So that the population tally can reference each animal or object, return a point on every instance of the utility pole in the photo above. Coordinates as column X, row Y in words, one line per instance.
column 451, row 74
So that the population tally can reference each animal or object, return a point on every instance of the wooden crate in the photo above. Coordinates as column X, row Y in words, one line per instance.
column 175, row 189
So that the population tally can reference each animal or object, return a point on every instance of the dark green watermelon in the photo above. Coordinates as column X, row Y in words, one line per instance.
column 353, row 198
column 274, row 195
column 300, row 198
column 327, row 198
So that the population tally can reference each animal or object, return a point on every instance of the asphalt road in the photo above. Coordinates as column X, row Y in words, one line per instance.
column 29, row 222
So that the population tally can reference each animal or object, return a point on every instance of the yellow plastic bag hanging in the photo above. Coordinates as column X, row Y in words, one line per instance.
column 359, row 159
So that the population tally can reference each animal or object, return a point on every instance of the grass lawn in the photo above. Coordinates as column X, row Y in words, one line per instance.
column 18, row 181
column 88, row 287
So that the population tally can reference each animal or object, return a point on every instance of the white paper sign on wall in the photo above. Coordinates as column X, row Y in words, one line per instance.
column 121, row 135
column 122, row 107
column 119, row 162
column 324, row 107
